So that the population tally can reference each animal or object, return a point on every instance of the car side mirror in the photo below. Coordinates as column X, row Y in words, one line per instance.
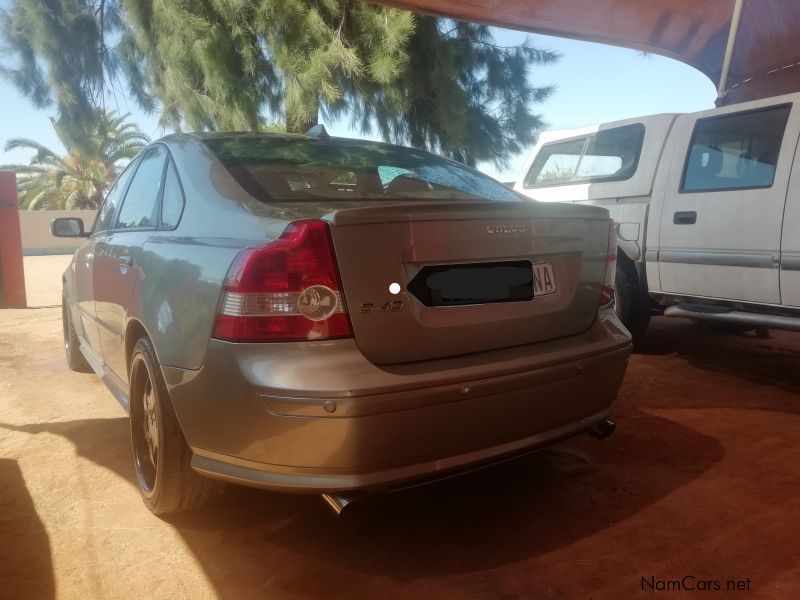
column 67, row 227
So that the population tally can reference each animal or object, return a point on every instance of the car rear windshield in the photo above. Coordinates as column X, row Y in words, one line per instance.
column 290, row 168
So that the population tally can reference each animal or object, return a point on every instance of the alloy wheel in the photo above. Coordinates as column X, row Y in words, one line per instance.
column 144, row 425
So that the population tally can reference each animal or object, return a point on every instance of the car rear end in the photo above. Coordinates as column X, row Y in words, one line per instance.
column 388, row 342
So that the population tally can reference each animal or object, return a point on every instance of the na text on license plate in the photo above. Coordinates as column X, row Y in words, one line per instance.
column 544, row 281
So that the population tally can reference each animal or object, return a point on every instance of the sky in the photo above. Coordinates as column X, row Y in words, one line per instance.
column 594, row 84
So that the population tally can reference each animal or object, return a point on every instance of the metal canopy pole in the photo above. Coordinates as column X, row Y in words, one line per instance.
column 726, row 62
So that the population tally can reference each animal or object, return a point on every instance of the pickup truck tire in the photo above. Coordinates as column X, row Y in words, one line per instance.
column 167, row 482
column 632, row 306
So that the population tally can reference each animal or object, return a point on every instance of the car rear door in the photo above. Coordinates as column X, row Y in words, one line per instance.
column 83, row 298
column 723, row 205
column 118, row 259
column 85, row 266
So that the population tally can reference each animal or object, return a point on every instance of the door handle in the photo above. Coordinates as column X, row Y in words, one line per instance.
column 688, row 217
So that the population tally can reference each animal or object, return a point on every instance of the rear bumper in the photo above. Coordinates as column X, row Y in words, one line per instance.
column 318, row 417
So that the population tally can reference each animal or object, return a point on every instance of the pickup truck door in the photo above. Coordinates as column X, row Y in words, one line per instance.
column 723, row 204
column 790, row 240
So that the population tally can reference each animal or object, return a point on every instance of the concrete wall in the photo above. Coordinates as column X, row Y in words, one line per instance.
column 36, row 237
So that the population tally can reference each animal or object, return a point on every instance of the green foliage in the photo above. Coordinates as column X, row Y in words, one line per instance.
column 461, row 95
column 427, row 82
column 201, row 60
column 80, row 178
column 226, row 64
column 56, row 53
column 240, row 64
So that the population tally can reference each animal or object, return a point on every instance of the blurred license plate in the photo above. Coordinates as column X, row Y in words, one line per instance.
column 482, row 283
column 544, row 281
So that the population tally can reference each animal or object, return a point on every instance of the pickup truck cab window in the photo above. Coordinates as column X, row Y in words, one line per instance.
column 608, row 155
column 736, row 151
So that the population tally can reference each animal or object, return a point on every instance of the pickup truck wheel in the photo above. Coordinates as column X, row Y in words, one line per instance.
column 632, row 309
column 75, row 359
column 161, row 456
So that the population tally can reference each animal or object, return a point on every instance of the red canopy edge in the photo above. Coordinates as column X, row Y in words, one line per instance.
column 765, row 59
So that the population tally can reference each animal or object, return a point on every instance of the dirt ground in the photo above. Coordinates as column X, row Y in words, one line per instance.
column 700, row 480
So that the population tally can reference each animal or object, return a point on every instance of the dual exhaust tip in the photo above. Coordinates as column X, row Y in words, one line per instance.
column 341, row 502
column 603, row 429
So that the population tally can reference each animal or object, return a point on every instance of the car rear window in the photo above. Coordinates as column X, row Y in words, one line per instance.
column 290, row 168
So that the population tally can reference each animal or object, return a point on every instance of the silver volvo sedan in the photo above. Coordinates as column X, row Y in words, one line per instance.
column 319, row 315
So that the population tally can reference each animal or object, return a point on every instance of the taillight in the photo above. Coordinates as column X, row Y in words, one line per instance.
column 287, row 290
column 607, row 289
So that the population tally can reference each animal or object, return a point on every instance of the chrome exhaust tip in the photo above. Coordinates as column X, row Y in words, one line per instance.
column 339, row 501
column 603, row 429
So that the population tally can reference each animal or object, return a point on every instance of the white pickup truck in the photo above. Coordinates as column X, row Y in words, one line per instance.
column 707, row 206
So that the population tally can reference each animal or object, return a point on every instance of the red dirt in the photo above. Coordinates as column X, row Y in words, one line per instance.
column 701, row 479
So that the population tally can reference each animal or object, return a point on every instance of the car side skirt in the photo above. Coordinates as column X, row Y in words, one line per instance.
column 99, row 368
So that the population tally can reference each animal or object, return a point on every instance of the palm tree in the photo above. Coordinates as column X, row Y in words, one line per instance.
column 80, row 178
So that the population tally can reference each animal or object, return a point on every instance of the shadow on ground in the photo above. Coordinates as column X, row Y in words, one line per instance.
column 25, row 557
column 253, row 541
column 772, row 362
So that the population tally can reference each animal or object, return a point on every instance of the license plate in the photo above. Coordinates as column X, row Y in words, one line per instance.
column 544, row 280
column 482, row 283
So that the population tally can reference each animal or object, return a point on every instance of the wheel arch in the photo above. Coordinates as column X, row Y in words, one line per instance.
column 630, row 249
column 134, row 331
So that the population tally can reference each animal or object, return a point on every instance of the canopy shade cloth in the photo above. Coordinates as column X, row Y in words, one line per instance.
column 764, row 61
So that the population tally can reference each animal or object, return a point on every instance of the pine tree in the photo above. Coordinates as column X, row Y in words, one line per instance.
column 231, row 64
column 245, row 64
column 56, row 53
column 431, row 83
column 461, row 94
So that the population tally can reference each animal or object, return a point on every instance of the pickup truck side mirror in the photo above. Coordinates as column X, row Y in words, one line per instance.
column 67, row 227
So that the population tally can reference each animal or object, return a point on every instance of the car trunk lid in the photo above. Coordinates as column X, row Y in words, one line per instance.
column 464, row 273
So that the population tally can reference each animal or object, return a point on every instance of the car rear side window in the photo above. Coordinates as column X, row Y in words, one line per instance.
column 139, row 209
column 105, row 216
column 173, row 199
column 736, row 151
column 609, row 155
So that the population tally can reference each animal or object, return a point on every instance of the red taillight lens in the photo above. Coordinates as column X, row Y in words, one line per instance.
column 287, row 290
column 607, row 289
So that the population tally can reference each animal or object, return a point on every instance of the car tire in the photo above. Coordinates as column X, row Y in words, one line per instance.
column 75, row 358
column 161, row 456
column 632, row 308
